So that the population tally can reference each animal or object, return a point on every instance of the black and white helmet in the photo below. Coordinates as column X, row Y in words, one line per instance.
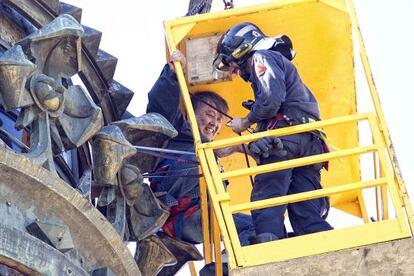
column 241, row 40
column 236, row 45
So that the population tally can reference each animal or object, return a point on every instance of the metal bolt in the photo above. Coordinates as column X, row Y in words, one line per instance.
column 8, row 203
column 69, row 271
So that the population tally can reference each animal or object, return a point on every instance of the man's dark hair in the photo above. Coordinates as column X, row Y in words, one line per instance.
column 210, row 98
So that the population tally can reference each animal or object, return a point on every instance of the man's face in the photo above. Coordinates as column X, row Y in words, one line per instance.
column 209, row 121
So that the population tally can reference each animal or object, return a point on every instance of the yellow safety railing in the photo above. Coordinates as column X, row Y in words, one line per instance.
column 218, row 223
column 383, row 129
column 311, row 244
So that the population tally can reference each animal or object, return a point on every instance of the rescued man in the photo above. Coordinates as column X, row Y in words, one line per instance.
column 181, row 195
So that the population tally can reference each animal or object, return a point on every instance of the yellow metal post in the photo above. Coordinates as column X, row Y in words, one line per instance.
column 205, row 221
column 381, row 118
column 215, row 203
column 192, row 268
column 217, row 245
column 225, row 207
column 377, row 189
column 384, row 197
column 392, row 187
column 172, row 43
column 363, row 208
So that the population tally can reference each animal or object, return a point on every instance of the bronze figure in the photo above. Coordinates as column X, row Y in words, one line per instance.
column 35, row 76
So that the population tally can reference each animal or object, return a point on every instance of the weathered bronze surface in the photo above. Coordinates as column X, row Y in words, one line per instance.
column 34, row 76
column 182, row 251
column 131, row 183
column 36, row 72
column 17, row 247
column 57, row 235
column 118, row 166
column 29, row 192
column 146, row 215
column 151, row 130
column 85, row 184
column 153, row 255
column 110, row 150
column 112, row 97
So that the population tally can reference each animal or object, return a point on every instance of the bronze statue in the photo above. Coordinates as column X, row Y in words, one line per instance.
column 43, row 216
column 35, row 76
column 131, row 205
column 35, row 80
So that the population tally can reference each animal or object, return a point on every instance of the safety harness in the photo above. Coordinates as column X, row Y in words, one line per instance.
column 319, row 133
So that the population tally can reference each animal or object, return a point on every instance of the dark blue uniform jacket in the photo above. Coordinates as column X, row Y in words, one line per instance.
column 278, row 88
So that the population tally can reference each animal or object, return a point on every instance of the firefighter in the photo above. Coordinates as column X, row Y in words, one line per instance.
column 281, row 99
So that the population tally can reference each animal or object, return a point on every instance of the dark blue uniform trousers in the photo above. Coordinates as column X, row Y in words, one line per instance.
column 306, row 216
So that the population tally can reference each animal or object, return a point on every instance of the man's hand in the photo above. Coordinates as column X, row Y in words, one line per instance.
column 267, row 146
column 177, row 56
column 239, row 124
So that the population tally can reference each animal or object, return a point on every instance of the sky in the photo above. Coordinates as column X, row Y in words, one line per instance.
column 133, row 32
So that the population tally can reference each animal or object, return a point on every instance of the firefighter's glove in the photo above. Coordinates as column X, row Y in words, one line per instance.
column 267, row 146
